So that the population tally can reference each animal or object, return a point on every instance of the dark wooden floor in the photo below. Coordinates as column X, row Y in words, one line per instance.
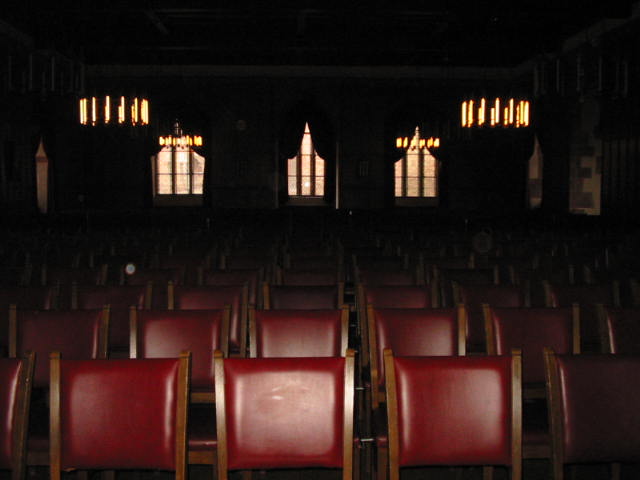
column 532, row 470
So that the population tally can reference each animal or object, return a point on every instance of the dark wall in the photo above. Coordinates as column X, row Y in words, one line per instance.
column 243, row 119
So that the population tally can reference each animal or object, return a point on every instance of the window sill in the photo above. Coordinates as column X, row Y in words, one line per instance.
column 177, row 200
column 306, row 202
column 416, row 201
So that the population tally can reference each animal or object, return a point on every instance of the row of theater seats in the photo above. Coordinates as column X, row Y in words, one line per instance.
column 529, row 285
column 274, row 413
column 409, row 332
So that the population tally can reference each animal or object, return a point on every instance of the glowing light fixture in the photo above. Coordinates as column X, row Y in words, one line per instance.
column 100, row 111
column 417, row 143
column 179, row 139
column 515, row 113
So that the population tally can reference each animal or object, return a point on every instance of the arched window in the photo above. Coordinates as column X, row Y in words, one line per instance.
column 416, row 173
column 178, row 171
column 306, row 171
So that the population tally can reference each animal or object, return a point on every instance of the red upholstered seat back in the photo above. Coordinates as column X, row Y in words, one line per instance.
column 74, row 333
column 473, row 296
column 387, row 277
column 251, row 277
column 600, row 395
column 398, row 296
column 309, row 277
column 166, row 333
column 284, row 412
column 298, row 333
column 216, row 297
column 531, row 330
column 622, row 326
column 299, row 297
column 158, row 276
column 415, row 332
column 9, row 385
column 119, row 298
column 585, row 295
column 454, row 410
column 31, row 298
column 118, row 413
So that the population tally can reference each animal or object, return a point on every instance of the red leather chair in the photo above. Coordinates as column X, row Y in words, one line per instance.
column 15, row 395
column 619, row 329
column 587, row 296
column 119, row 298
column 474, row 296
column 408, row 332
column 159, row 278
column 594, row 402
column 412, row 332
column 532, row 330
column 275, row 413
column 299, row 297
column 387, row 277
column 251, row 276
column 183, row 297
column 390, row 296
column 298, row 333
column 317, row 276
column 58, row 275
column 24, row 298
column 166, row 333
column 454, row 411
column 464, row 276
column 79, row 334
column 119, row 414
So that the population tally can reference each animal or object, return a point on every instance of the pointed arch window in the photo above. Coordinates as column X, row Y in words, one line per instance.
column 306, row 170
column 416, row 173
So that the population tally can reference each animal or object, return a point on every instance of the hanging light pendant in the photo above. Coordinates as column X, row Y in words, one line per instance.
column 416, row 142
column 482, row 113
column 178, row 139
column 108, row 110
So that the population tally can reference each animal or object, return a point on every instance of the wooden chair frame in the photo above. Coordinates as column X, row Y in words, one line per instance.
column 20, row 418
column 181, row 417
column 194, row 397
column 242, row 314
column 516, row 418
column 266, row 294
column 377, row 396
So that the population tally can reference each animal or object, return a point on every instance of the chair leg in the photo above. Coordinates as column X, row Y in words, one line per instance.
column 487, row 473
column 108, row 475
column 616, row 469
column 382, row 463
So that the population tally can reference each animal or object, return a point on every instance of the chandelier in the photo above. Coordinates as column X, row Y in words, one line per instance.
column 108, row 110
column 179, row 139
column 496, row 113
column 416, row 142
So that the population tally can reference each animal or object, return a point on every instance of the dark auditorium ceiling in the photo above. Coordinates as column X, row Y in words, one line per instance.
column 332, row 32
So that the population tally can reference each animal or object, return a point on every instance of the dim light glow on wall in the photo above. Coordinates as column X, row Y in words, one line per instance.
column 482, row 113
column 95, row 111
